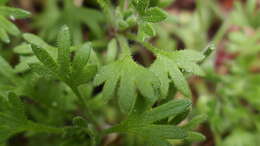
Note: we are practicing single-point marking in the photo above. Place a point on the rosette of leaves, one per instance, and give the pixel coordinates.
(7, 27)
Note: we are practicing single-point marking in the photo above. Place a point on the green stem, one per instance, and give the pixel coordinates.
(145, 44)
(84, 105)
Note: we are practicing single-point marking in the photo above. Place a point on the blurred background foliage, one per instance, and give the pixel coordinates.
(229, 93)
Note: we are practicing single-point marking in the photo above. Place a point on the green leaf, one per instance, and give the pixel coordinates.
(166, 3)
(159, 131)
(23, 49)
(141, 5)
(45, 58)
(37, 41)
(13, 119)
(151, 141)
(23, 66)
(195, 137)
(126, 71)
(148, 29)
(171, 108)
(8, 26)
(81, 58)
(42, 71)
(85, 75)
(5, 69)
(4, 36)
(167, 67)
(111, 51)
(140, 123)
(12, 116)
(64, 43)
(14, 12)
(179, 118)
(145, 30)
(154, 15)
(195, 121)
(64, 39)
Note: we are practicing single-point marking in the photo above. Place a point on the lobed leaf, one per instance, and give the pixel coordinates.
(168, 67)
(126, 71)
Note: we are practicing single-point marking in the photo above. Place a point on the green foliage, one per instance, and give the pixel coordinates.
(44, 85)
(79, 134)
(13, 119)
(73, 73)
(226, 108)
(71, 15)
(167, 67)
(129, 76)
(143, 124)
(6, 27)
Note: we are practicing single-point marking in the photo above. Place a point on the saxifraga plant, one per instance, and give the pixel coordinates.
(51, 97)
